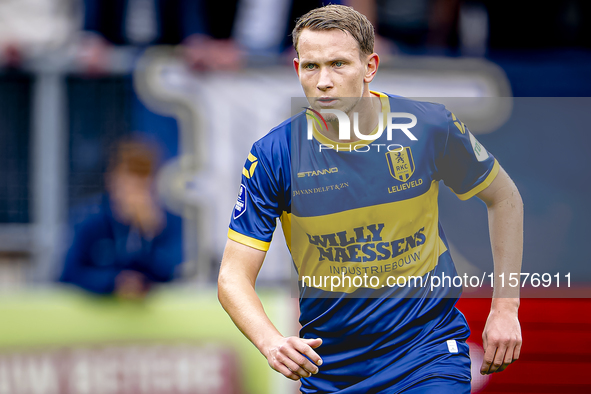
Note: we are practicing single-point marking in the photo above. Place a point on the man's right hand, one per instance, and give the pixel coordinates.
(286, 356)
(293, 357)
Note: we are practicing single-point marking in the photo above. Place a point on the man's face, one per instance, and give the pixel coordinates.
(330, 68)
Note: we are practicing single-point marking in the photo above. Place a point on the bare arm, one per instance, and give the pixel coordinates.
(236, 292)
(502, 334)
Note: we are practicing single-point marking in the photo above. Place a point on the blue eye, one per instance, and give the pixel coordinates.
(339, 64)
(309, 66)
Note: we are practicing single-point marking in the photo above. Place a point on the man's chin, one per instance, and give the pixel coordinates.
(336, 106)
(343, 104)
(330, 117)
(318, 105)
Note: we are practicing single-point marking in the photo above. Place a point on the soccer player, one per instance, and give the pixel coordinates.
(362, 203)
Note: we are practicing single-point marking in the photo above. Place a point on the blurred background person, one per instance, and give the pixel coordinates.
(203, 28)
(476, 27)
(412, 26)
(129, 241)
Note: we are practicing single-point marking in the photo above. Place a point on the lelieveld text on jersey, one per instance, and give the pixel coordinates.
(405, 186)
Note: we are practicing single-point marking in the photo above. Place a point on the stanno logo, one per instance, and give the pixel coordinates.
(345, 124)
(331, 170)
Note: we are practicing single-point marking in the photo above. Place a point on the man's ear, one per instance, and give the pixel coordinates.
(296, 65)
(371, 67)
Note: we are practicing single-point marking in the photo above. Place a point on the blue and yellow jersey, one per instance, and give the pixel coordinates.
(361, 222)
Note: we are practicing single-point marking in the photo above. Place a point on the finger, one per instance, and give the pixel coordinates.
(517, 351)
(508, 356)
(313, 343)
(487, 360)
(310, 359)
(294, 366)
(507, 360)
(306, 347)
(302, 362)
(499, 358)
(511, 356)
(282, 369)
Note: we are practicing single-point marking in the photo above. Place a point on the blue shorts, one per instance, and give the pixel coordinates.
(433, 385)
(439, 385)
(428, 369)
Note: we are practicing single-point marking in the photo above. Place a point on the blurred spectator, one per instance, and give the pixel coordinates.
(204, 28)
(209, 30)
(261, 27)
(29, 28)
(129, 242)
(409, 26)
(473, 26)
(412, 26)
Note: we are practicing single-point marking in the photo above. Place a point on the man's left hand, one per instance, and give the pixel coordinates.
(501, 338)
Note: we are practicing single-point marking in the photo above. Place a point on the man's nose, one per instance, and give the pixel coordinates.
(324, 80)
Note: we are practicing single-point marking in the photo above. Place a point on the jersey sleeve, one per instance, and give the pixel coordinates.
(258, 206)
(465, 166)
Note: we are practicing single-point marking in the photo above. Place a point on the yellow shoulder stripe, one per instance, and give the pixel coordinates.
(248, 241)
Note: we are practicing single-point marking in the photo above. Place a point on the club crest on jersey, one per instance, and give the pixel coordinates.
(401, 164)
(240, 206)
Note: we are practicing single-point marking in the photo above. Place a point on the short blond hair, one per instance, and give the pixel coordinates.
(337, 17)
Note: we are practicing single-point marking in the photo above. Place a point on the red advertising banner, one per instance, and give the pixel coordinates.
(125, 369)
